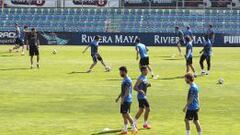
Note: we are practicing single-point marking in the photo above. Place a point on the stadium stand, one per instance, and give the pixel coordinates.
(119, 20)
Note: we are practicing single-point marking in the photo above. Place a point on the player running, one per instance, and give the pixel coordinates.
(33, 46)
(141, 87)
(126, 100)
(188, 32)
(95, 55)
(18, 40)
(211, 33)
(189, 56)
(193, 105)
(181, 41)
(142, 50)
(206, 55)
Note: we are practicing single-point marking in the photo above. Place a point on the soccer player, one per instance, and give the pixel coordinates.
(33, 46)
(181, 41)
(126, 100)
(18, 40)
(142, 50)
(192, 106)
(189, 32)
(189, 56)
(95, 55)
(141, 87)
(211, 33)
(206, 55)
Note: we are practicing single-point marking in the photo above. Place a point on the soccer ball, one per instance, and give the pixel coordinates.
(221, 81)
(108, 69)
(54, 51)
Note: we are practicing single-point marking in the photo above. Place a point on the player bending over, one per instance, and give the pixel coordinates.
(18, 40)
(189, 56)
(33, 46)
(142, 50)
(193, 105)
(206, 55)
(141, 87)
(95, 55)
(181, 41)
(126, 100)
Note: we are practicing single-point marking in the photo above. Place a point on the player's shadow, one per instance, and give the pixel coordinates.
(78, 72)
(12, 69)
(114, 131)
(6, 55)
(172, 78)
(173, 59)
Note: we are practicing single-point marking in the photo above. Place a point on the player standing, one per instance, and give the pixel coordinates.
(141, 87)
(95, 55)
(189, 56)
(211, 33)
(193, 105)
(18, 40)
(181, 41)
(33, 46)
(142, 50)
(126, 100)
(206, 55)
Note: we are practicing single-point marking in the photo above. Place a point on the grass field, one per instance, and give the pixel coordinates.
(59, 99)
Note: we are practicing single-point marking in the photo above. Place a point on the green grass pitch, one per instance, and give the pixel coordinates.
(59, 99)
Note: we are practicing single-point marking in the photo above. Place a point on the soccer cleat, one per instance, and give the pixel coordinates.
(134, 131)
(146, 126)
(203, 73)
(38, 66)
(23, 54)
(195, 75)
(123, 132)
(89, 71)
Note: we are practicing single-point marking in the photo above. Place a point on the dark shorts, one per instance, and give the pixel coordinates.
(19, 42)
(204, 57)
(33, 50)
(189, 61)
(143, 103)
(125, 107)
(96, 57)
(192, 115)
(181, 42)
(144, 61)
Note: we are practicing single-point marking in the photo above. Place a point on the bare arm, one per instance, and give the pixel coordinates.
(136, 86)
(189, 101)
(137, 54)
(85, 49)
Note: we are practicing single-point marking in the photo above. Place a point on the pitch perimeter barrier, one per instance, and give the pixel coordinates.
(121, 39)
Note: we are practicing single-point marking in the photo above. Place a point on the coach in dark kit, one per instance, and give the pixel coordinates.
(33, 46)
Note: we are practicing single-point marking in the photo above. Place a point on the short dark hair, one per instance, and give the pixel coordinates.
(123, 68)
(189, 76)
(97, 37)
(210, 25)
(33, 29)
(138, 40)
(25, 27)
(187, 38)
(206, 36)
(143, 68)
(177, 27)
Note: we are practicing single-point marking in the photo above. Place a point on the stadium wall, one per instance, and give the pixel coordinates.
(121, 39)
